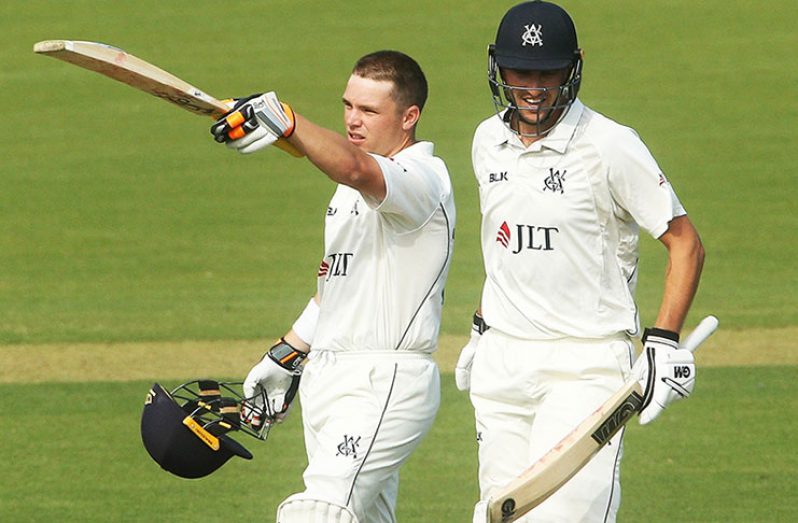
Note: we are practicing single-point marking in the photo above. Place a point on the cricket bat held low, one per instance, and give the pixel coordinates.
(567, 457)
(144, 76)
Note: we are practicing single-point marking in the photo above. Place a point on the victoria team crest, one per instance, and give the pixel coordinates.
(349, 446)
(533, 35)
(555, 182)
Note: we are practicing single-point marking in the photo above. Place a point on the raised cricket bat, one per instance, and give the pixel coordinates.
(144, 76)
(567, 457)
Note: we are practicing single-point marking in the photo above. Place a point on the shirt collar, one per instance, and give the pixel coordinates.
(418, 149)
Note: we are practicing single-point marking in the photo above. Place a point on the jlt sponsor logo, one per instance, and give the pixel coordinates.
(336, 264)
(527, 237)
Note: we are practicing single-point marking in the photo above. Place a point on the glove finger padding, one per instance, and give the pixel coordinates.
(265, 388)
(239, 127)
(241, 131)
(257, 111)
(253, 409)
(253, 141)
(229, 127)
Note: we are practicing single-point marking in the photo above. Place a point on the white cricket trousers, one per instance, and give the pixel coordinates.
(364, 413)
(527, 395)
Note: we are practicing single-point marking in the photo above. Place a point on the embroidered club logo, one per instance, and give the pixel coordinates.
(533, 35)
(349, 446)
(555, 182)
(503, 235)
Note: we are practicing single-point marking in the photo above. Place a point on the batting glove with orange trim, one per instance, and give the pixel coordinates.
(255, 122)
(272, 384)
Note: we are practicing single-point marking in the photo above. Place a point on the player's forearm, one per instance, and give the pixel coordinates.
(685, 262)
(296, 342)
(300, 337)
(341, 161)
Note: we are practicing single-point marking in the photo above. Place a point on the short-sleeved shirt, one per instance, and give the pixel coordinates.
(560, 225)
(385, 264)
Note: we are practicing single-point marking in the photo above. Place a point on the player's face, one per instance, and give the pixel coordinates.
(533, 93)
(372, 117)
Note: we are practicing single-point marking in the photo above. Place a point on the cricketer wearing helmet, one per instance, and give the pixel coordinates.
(370, 388)
(564, 192)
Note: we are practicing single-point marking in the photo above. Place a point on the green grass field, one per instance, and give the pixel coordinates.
(124, 229)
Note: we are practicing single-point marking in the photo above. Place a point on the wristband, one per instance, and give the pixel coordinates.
(660, 333)
(305, 325)
(479, 326)
(286, 356)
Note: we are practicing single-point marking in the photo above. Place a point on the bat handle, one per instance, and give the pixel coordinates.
(703, 330)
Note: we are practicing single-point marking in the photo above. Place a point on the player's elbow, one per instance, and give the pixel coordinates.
(357, 173)
(692, 251)
(683, 241)
(699, 253)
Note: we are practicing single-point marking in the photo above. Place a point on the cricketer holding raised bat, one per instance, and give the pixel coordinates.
(370, 388)
(563, 194)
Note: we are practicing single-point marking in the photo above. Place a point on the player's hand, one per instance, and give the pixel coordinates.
(254, 123)
(462, 369)
(666, 372)
(271, 385)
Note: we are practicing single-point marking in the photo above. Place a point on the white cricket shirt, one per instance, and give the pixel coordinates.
(385, 264)
(560, 225)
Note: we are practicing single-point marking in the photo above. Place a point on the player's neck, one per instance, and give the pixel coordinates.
(408, 140)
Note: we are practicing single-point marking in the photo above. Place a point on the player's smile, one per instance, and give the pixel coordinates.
(533, 93)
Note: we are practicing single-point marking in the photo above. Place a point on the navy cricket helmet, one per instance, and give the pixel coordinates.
(536, 36)
(186, 431)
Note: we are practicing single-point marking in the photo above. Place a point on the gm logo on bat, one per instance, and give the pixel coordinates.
(621, 415)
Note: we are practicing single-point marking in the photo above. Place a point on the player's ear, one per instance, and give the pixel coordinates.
(410, 117)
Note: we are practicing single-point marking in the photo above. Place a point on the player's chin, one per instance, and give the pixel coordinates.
(533, 115)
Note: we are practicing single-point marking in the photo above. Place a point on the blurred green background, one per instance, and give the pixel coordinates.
(122, 221)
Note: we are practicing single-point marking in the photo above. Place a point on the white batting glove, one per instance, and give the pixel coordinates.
(462, 370)
(255, 123)
(271, 385)
(666, 372)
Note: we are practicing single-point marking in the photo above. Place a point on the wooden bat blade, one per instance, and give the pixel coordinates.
(128, 69)
(565, 459)
(135, 72)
